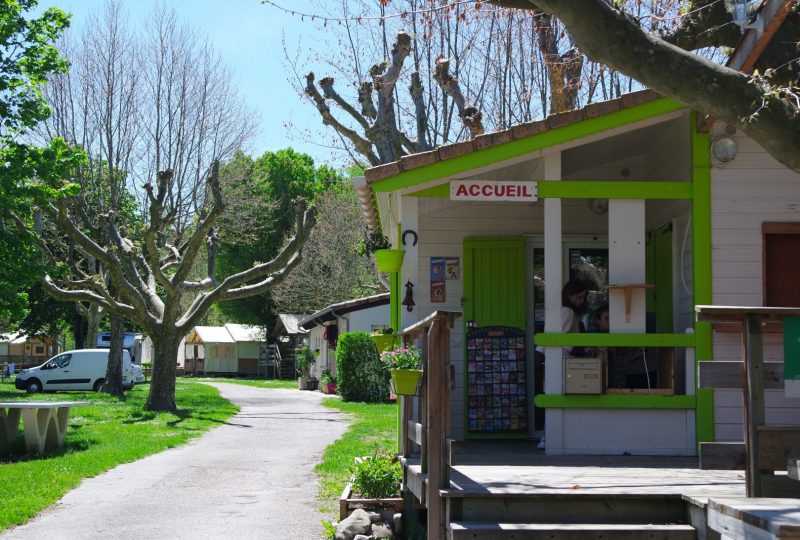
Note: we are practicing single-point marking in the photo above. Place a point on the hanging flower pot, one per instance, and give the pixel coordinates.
(384, 342)
(389, 260)
(405, 381)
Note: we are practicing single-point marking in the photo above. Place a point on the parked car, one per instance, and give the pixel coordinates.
(138, 374)
(82, 369)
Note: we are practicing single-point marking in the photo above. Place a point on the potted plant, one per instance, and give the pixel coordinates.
(328, 382)
(404, 366)
(377, 243)
(384, 339)
(303, 360)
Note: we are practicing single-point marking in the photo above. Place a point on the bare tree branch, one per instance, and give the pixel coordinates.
(471, 116)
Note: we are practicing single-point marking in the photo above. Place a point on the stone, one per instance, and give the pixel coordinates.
(358, 522)
(387, 515)
(381, 530)
(362, 537)
(397, 520)
(374, 517)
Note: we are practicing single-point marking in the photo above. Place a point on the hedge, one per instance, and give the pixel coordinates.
(361, 375)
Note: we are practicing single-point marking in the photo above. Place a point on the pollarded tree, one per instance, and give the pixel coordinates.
(151, 279)
(767, 112)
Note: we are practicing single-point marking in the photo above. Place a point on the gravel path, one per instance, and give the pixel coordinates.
(249, 478)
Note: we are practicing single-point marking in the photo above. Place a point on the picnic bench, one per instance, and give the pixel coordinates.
(44, 423)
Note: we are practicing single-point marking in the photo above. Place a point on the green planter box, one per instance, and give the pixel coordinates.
(389, 260)
(406, 381)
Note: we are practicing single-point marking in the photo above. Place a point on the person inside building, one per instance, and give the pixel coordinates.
(573, 306)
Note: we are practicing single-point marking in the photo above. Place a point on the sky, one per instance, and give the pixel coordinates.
(248, 35)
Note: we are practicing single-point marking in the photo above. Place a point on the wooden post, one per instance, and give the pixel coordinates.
(437, 395)
(753, 352)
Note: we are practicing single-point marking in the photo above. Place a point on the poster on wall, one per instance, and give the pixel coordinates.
(438, 292)
(438, 276)
(451, 267)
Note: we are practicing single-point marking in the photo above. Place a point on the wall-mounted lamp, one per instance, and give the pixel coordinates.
(408, 301)
(724, 149)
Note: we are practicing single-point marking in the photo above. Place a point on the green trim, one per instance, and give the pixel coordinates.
(590, 189)
(568, 189)
(614, 401)
(442, 191)
(701, 264)
(527, 145)
(616, 340)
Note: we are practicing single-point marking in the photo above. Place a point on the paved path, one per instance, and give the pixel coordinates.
(250, 478)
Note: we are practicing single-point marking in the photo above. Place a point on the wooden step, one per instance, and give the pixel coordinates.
(463, 530)
(575, 509)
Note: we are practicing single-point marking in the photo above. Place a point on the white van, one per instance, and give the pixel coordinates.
(83, 369)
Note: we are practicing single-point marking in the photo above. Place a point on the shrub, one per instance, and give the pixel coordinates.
(360, 373)
(303, 360)
(377, 476)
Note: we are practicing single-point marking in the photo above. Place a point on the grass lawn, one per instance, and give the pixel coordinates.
(290, 384)
(371, 424)
(99, 437)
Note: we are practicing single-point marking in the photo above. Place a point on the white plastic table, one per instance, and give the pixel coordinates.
(44, 423)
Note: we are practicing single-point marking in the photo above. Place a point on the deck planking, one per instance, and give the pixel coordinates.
(518, 469)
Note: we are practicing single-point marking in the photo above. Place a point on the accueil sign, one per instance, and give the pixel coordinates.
(493, 190)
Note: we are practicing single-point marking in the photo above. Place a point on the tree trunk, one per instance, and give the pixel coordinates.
(94, 318)
(113, 384)
(79, 330)
(165, 355)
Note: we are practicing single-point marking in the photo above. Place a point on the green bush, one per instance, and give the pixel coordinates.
(361, 376)
(377, 476)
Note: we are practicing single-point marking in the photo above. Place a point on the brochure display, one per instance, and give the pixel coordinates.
(496, 380)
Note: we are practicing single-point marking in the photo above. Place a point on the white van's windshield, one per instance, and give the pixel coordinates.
(60, 361)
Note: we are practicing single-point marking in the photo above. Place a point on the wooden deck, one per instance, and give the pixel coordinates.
(496, 483)
(509, 469)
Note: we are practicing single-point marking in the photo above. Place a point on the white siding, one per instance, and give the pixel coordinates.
(746, 192)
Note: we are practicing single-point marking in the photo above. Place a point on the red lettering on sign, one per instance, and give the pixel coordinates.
(462, 190)
(474, 190)
(525, 192)
(512, 191)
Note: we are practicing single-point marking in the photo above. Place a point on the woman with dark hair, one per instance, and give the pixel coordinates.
(573, 305)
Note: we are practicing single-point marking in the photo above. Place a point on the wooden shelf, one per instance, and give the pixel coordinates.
(628, 288)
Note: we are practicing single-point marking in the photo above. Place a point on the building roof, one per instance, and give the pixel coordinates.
(333, 311)
(520, 131)
(288, 324)
(213, 334)
(245, 332)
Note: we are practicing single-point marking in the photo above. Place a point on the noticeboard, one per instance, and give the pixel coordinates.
(497, 392)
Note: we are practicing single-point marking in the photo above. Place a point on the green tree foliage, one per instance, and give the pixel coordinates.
(360, 373)
(30, 174)
(259, 216)
(329, 272)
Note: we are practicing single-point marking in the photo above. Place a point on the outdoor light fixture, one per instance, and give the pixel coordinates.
(723, 149)
(742, 13)
(408, 301)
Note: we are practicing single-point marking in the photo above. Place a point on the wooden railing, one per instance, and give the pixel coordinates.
(766, 448)
(427, 431)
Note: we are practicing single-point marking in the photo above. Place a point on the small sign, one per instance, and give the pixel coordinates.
(493, 190)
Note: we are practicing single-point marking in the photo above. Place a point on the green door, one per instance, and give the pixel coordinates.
(496, 395)
(494, 282)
